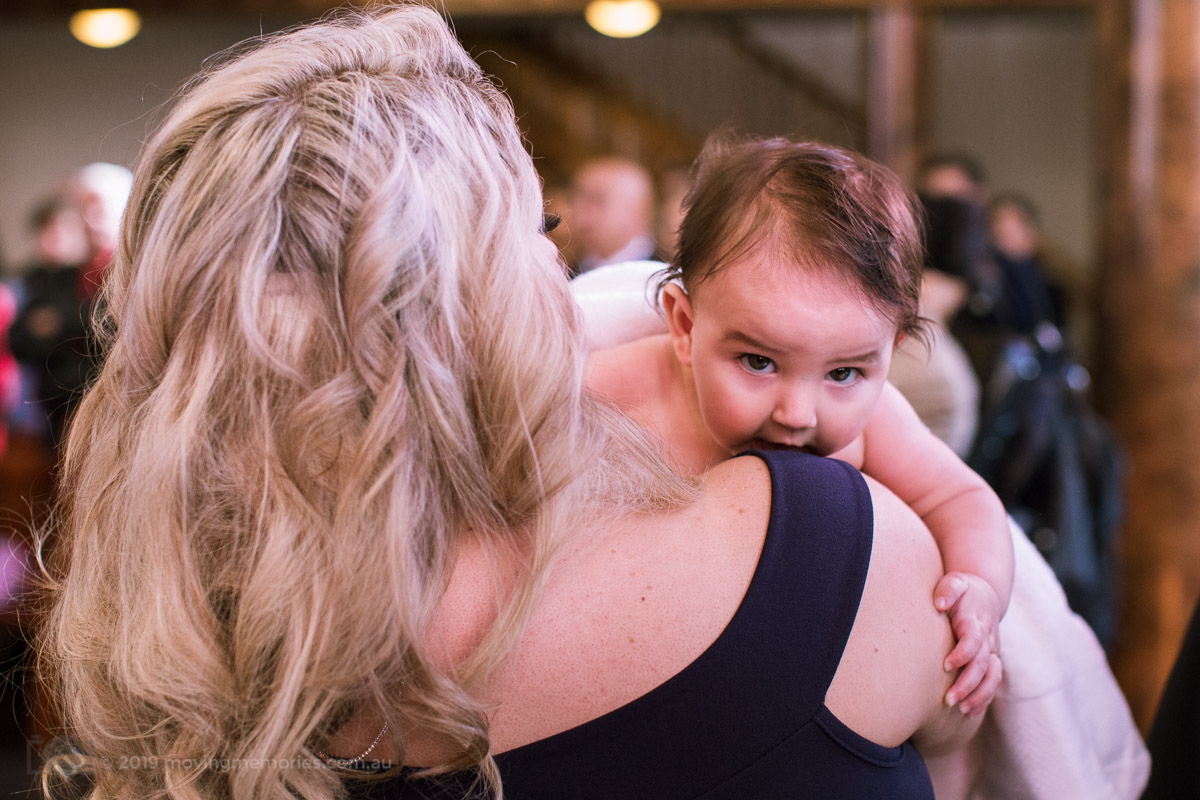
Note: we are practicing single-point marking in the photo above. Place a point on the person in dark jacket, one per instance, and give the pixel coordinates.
(50, 334)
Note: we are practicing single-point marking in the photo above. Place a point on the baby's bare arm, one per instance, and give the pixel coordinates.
(965, 516)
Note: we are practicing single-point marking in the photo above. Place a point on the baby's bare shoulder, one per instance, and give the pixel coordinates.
(629, 374)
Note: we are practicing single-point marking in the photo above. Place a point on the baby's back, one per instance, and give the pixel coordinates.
(645, 380)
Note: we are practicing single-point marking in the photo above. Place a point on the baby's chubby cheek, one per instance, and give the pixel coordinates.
(847, 446)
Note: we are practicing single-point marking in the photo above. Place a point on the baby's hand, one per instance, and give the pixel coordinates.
(975, 612)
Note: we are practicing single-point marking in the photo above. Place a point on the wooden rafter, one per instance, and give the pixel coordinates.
(309, 8)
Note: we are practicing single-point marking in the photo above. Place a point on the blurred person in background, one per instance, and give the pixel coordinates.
(953, 174)
(1015, 227)
(1029, 297)
(935, 375)
(49, 334)
(611, 214)
(76, 235)
(959, 177)
(1009, 290)
(59, 233)
(98, 192)
(673, 186)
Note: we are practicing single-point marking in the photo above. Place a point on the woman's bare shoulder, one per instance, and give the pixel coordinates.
(744, 477)
(735, 504)
(636, 600)
(890, 683)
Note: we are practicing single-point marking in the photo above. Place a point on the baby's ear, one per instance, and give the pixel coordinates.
(677, 308)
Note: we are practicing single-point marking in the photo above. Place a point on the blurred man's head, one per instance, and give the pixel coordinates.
(1013, 220)
(673, 188)
(956, 175)
(60, 237)
(99, 192)
(612, 203)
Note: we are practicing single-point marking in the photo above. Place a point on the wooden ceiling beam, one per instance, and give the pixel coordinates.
(522, 8)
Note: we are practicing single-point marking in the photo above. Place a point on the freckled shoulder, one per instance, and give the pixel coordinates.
(740, 488)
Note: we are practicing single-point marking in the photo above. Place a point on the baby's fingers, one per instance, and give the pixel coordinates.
(969, 679)
(978, 701)
(948, 591)
(970, 647)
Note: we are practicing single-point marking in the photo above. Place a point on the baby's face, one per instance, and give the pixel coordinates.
(786, 357)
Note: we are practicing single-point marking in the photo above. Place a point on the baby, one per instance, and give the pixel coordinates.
(798, 271)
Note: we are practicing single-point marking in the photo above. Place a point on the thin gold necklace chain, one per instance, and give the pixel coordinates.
(321, 755)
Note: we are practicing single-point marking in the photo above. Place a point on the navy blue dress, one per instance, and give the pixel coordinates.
(747, 718)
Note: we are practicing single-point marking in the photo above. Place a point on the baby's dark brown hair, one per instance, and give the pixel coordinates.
(818, 205)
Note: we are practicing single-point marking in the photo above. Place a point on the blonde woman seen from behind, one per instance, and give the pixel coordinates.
(338, 492)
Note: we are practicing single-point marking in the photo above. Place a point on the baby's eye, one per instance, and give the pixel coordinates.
(845, 376)
(759, 365)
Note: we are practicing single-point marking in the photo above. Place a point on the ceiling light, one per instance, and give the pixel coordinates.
(622, 19)
(105, 27)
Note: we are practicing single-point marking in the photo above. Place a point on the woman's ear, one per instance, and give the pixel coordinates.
(677, 308)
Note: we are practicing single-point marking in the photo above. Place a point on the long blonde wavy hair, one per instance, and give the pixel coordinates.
(336, 347)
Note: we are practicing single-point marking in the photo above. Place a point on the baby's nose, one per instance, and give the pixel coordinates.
(797, 410)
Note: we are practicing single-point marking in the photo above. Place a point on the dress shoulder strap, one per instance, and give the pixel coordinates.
(801, 604)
